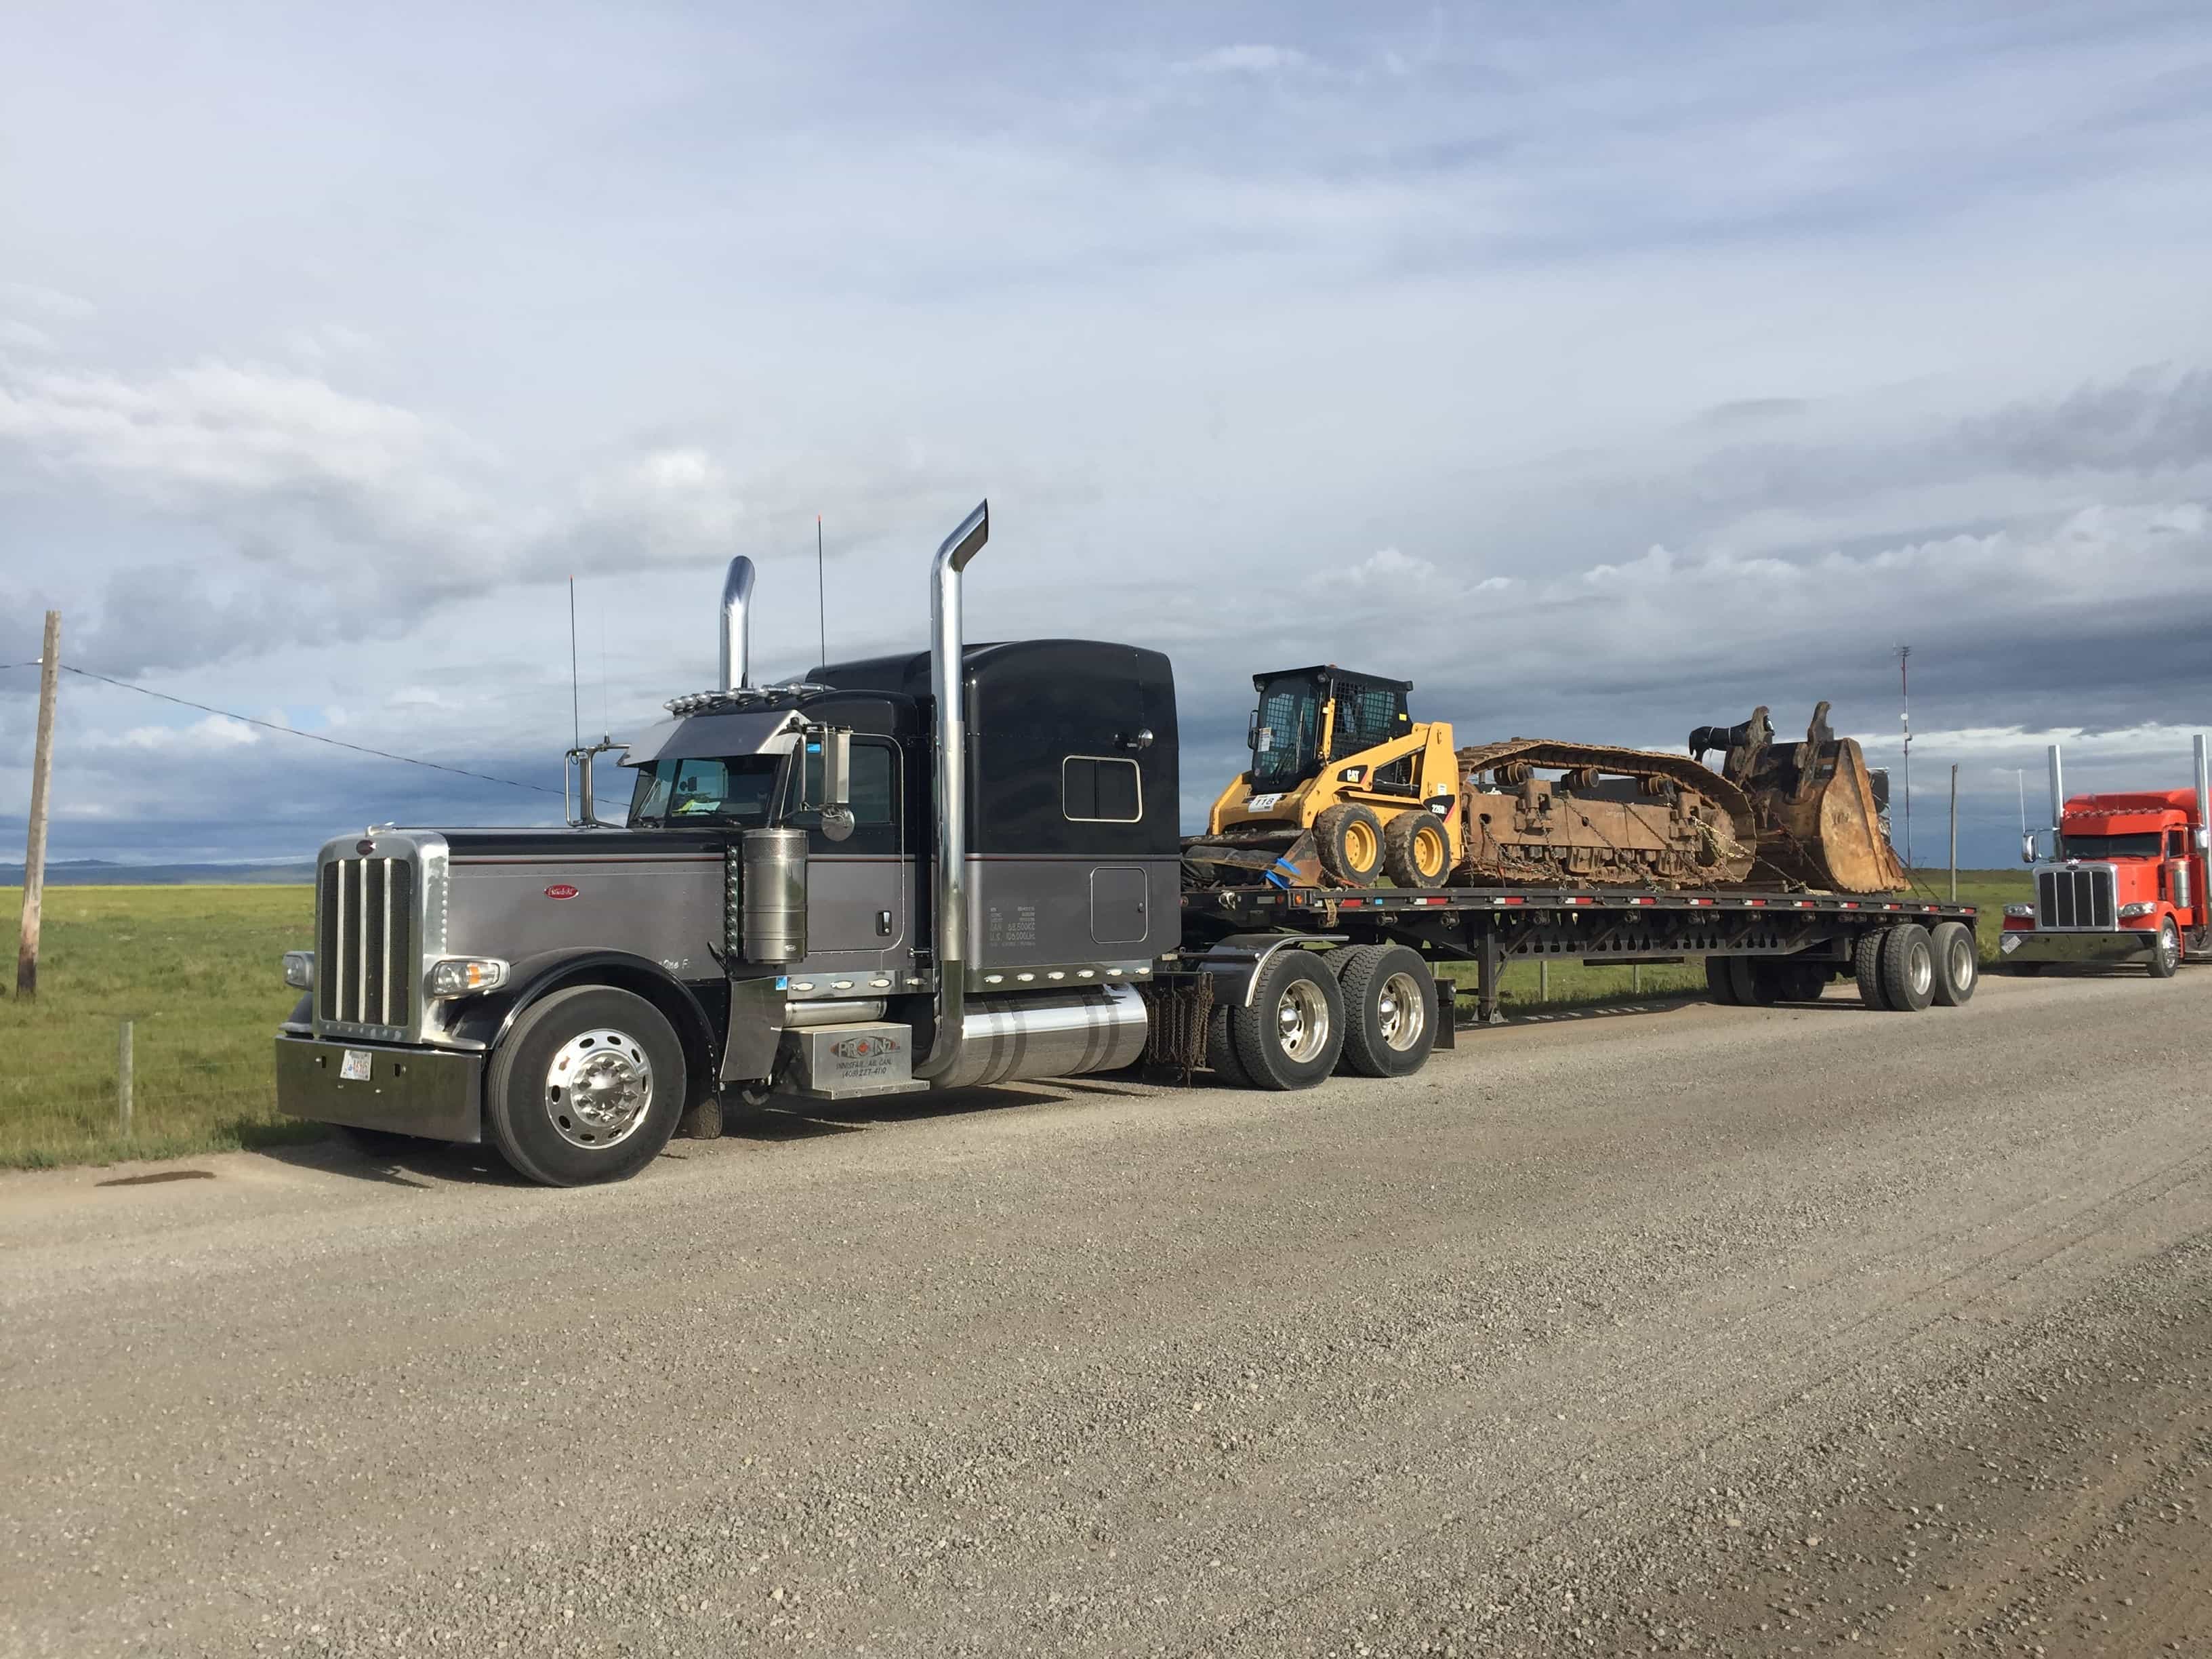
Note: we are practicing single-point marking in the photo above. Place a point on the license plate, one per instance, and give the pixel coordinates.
(354, 1067)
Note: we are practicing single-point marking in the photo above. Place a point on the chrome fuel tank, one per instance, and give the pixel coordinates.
(1056, 1034)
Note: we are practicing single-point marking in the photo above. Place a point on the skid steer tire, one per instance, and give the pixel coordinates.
(1908, 968)
(1292, 1034)
(1389, 1010)
(1866, 966)
(1416, 849)
(1348, 838)
(1958, 963)
(1720, 982)
(1221, 1051)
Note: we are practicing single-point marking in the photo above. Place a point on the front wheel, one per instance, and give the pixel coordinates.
(2165, 955)
(586, 1087)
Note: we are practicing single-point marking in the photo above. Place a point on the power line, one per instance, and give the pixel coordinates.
(291, 731)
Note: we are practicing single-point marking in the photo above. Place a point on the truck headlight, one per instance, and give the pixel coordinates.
(299, 970)
(2019, 909)
(2139, 908)
(461, 976)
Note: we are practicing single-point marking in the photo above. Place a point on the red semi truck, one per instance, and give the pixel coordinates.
(2120, 878)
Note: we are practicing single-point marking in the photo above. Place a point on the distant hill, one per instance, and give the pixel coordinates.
(101, 873)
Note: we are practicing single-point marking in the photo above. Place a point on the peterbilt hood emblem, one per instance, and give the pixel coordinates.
(864, 1048)
(562, 889)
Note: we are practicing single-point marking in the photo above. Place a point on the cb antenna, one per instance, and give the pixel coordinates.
(821, 592)
(575, 686)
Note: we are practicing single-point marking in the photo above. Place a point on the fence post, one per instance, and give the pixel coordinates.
(1635, 979)
(123, 1084)
(1543, 979)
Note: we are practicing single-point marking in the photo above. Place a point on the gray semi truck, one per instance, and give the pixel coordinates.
(953, 867)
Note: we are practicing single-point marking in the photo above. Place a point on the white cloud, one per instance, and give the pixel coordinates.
(213, 735)
(1246, 59)
(23, 336)
(1387, 568)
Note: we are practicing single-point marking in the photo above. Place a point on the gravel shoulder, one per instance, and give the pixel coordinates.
(1571, 1343)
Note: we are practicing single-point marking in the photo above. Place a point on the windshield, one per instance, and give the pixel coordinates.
(2144, 846)
(1285, 730)
(738, 791)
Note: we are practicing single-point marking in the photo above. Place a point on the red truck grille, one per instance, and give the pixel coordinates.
(2078, 897)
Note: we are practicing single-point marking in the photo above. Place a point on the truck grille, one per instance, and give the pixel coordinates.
(2075, 898)
(365, 941)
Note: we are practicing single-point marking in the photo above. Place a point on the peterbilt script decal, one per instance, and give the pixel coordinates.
(562, 889)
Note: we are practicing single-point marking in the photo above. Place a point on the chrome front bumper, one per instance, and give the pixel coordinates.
(413, 1091)
(2121, 944)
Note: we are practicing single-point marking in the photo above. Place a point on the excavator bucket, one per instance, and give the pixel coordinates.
(1819, 822)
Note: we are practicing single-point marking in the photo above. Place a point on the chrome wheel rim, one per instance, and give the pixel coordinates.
(2169, 944)
(1401, 1012)
(1924, 973)
(597, 1087)
(1302, 1021)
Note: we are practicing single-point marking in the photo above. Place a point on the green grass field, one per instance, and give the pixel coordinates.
(195, 970)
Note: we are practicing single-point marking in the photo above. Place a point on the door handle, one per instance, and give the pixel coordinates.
(883, 924)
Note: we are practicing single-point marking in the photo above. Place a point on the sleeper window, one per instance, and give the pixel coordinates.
(1098, 789)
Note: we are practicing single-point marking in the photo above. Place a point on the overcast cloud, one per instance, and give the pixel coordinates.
(1605, 370)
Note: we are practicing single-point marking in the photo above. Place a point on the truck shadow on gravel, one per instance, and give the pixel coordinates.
(790, 1118)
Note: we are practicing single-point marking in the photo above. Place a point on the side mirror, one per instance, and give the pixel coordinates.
(2027, 848)
(826, 779)
(2203, 839)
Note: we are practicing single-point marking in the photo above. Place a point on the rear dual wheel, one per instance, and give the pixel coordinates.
(1390, 1009)
(1291, 1034)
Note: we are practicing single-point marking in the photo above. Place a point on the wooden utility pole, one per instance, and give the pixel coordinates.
(42, 777)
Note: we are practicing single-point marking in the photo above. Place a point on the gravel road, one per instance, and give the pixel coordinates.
(1702, 1330)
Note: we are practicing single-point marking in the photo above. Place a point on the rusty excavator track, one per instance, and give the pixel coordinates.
(1613, 816)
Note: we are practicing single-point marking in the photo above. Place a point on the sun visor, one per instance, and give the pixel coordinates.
(692, 737)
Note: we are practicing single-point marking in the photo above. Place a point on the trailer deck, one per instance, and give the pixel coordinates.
(1600, 927)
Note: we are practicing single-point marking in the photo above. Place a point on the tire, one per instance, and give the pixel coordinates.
(2165, 955)
(1389, 1010)
(1349, 839)
(1292, 1034)
(1416, 849)
(1720, 980)
(1221, 1051)
(1866, 966)
(1751, 987)
(1908, 968)
(530, 1110)
(1787, 981)
(1958, 963)
(381, 1146)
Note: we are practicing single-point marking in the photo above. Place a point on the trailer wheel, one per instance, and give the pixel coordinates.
(2165, 955)
(1720, 980)
(1416, 849)
(1389, 1010)
(586, 1087)
(1958, 963)
(1866, 966)
(1221, 1051)
(1349, 839)
(1292, 1034)
(1789, 981)
(1908, 968)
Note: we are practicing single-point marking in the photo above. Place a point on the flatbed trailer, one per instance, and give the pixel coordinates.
(1599, 926)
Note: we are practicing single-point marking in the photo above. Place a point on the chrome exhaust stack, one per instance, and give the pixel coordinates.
(2057, 797)
(2203, 836)
(949, 681)
(737, 625)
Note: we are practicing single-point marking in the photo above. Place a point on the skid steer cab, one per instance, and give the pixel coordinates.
(1344, 784)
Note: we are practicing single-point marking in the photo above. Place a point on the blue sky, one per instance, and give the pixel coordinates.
(1606, 370)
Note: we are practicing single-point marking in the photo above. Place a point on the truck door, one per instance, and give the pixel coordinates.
(859, 891)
